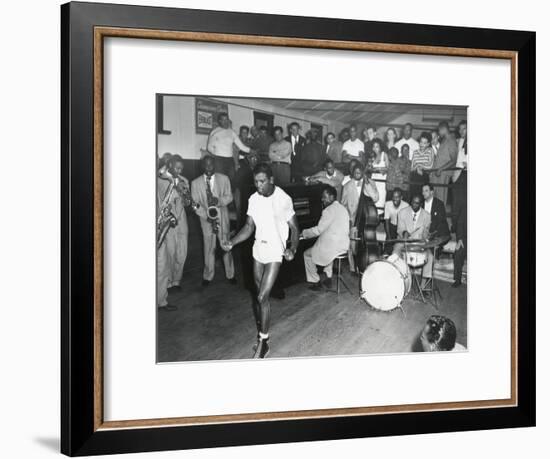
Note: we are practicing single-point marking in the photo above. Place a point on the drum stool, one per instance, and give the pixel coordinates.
(339, 278)
(431, 287)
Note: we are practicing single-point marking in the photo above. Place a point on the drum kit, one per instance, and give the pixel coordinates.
(386, 282)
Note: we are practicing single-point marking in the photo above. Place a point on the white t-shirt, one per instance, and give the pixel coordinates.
(413, 146)
(353, 147)
(271, 215)
(390, 211)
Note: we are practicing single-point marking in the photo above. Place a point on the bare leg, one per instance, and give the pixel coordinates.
(271, 270)
(258, 274)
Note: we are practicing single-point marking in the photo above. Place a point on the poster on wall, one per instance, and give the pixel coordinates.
(205, 114)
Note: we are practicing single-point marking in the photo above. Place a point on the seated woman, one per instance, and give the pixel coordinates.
(439, 334)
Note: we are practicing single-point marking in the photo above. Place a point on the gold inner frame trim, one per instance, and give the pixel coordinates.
(102, 32)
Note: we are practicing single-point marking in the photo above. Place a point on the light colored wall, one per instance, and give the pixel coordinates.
(179, 118)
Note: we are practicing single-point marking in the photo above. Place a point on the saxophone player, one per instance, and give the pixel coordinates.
(172, 250)
(212, 192)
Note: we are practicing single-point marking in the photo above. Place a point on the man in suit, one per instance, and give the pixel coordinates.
(413, 222)
(350, 200)
(332, 232)
(298, 142)
(217, 187)
(439, 228)
(333, 148)
(173, 251)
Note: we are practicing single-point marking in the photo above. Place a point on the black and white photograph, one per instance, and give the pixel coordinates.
(307, 228)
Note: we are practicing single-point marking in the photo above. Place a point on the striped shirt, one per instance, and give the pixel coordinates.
(423, 159)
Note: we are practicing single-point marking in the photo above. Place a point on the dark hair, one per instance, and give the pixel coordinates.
(294, 123)
(408, 124)
(264, 168)
(379, 142)
(330, 190)
(397, 190)
(388, 130)
(429, 185)
(442, 333)
(277, 128)
(416, 195)
(353, 125)
(371, 126)
(463, 122)
(206, 158)
(244, 126)
(327, 162)
(357, 166)
(426, 135)
(443, 124)
(329, 133)
(393, 149)
(174, 159)
(219, 116)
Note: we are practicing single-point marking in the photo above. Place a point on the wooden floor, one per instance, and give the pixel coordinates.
(216, 322)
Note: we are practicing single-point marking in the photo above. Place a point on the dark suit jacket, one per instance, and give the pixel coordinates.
(439, 219)
(296, 157)
(334, 151)
(312, 158)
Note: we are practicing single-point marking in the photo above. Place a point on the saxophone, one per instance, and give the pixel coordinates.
(213, 211)
(166, 219)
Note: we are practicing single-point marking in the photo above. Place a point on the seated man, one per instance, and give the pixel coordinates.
(332, 232)
(439, 334)
(439, 228)
(413, 222)
(391, 209)
(329, 176)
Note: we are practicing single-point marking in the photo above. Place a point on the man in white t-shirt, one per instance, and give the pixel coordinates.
(271, 216)
(408, 139)
(391, 210)
(353, 148)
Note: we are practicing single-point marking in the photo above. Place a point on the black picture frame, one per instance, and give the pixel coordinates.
(79, 433)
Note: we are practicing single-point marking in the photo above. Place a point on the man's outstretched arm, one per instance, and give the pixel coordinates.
(246, 231)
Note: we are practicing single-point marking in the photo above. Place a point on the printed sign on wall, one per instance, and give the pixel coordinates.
(206, 111)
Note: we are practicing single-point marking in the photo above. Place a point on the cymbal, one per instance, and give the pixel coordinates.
(431, 244)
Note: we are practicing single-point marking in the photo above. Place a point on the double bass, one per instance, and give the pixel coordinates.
(366, 222)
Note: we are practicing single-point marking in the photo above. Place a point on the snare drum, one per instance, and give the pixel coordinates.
(416, 256)
(385, 283)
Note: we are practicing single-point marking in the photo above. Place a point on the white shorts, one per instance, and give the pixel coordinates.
(267, 252)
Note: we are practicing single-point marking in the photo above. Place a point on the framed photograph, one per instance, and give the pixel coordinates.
(280, 229)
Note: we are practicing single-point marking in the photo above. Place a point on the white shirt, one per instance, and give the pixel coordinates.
(220, 142)
(294, 141)
(353, 147)
(413, 146)
(415, 218)
(428, 205)
(211, 181)
(271, 215)
(390, 211)
(347, 178)
(359, 186)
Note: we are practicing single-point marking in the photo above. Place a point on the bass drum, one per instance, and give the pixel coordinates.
(385, 283)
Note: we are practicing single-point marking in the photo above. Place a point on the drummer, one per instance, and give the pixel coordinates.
(391, 209)
(413, 223)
